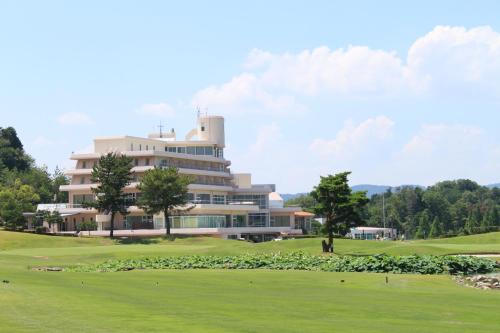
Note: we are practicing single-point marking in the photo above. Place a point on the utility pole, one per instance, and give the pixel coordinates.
(383, 211)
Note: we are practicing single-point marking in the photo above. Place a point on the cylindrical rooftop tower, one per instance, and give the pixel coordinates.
(211, 128)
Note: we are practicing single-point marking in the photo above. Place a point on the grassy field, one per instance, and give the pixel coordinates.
(233, 301)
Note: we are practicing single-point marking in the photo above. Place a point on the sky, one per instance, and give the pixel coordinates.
(397, 93)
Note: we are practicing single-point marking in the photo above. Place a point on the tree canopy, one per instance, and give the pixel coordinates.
(444, 209)
(338, 204)
(163, 190)
(112, 173)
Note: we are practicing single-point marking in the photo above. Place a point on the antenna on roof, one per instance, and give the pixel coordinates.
(161, 127)
(198, 111)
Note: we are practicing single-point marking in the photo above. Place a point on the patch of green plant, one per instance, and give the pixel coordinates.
(415, 264)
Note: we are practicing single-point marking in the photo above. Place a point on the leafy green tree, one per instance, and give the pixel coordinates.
(12, 154)
(112, 174)
(336, 202)
(163, 190)
(436, 228)
(58, 178)
(474, 220)
(14, 201)
(423, 225)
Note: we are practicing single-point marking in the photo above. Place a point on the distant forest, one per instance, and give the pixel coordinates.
(448, 208)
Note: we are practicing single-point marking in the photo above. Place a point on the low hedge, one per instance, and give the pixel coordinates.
(456, 265)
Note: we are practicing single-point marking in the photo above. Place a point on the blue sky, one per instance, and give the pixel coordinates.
(397, 93)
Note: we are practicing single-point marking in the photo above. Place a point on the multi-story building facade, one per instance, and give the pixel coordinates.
(222, 203)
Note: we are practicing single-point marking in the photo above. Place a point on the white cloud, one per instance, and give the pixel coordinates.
(455, 56)
(443, 139)
(245, 94)
(444, 61)
(353, 138)
(75, 118)
(448, 151)
(42, 141)
(156, 110)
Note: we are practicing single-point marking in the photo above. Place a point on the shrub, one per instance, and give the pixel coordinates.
(301, 261)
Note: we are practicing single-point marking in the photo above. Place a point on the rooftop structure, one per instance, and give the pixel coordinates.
(225, 203)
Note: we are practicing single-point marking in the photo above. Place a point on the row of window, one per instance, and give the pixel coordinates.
(200, 150)
(195, 198)
(279, 221)
(261, 200)
(191, 165)
(214, 221)
(140, 147)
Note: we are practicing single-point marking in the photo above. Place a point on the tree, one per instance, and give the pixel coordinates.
(163, 189)
(473, 221)
(113, 174)
(14, 201)
(59, 178)
(423, 225)
(54, 218)
(436, 229)
(12, 154)
(336, 202)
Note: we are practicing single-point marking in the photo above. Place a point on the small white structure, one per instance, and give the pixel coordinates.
(275, 200)
(373, 233)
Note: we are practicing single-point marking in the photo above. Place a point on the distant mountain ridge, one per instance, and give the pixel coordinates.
(370, 190)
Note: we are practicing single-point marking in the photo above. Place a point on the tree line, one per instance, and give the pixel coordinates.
(448, 208)
(23, 184)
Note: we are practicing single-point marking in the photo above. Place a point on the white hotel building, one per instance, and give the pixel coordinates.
(224, 203)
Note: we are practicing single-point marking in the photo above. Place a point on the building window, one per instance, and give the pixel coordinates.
(202, 198)
(239, 221)
(84, 165)
(199, 221)
(78, 199)
(82, 180)
(147, 161)
(172, 149)
(181, 150)
(257, 219)
(219, 199)
(131, 147)
(136, 162)
(147, 147)
(191, 150)
(280, 221)
(249, 199)
(140, 146)
(154, 148)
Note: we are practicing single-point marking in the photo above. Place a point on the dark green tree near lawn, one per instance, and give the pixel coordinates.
(163, 190)
(112, 173)
(436, 228)
(338, 204)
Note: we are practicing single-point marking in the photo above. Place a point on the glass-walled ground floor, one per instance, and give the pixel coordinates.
(251, 220)
(86, 221)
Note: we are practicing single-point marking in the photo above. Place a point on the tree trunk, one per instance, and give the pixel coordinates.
(330, 240)
(330, 237)
(112, 225)
(167, 221)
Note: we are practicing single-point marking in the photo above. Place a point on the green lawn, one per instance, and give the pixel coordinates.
(233, 301)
